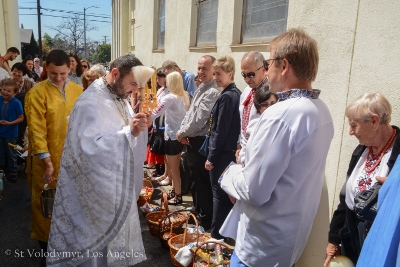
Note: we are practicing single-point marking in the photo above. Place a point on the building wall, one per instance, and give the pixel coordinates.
(357, 44)
(9, 26)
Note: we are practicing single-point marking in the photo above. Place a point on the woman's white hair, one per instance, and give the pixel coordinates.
(364, 106)
(99, 68)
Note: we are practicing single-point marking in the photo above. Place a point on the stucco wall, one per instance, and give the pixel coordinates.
(358, 54)
(9, 26)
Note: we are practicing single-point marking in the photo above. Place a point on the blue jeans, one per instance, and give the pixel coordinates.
(236, 262)
(8, 155)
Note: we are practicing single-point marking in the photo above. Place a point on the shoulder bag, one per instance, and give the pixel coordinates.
(204, 149)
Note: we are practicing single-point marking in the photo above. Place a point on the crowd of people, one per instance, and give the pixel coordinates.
(256, 156)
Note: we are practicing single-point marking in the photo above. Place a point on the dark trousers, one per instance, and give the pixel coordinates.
(201, 190)
(43, 247)
(8, 156)
(222, 205)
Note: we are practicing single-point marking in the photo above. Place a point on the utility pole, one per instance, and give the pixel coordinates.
(84, 28)
(105, 39)
(84, 31)
(39, 30)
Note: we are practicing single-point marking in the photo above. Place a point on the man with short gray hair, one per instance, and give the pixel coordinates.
(192, 132)
(254, 75)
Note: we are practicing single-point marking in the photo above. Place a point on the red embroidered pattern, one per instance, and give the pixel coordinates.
(248, 104)
(2, 59)
(364, 181)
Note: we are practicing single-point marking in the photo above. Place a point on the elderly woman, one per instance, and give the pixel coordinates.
(99, 68)
(369, 118)
(37, 68)
(89, 77)
(225, 130)
(18, 71)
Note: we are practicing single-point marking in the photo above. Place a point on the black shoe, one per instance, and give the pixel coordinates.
(160, 169)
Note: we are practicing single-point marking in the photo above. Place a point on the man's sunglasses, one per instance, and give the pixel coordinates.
(250, 74)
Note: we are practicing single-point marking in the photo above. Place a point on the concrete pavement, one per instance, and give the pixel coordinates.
(17, 249)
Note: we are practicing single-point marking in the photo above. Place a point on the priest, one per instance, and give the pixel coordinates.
(95, 218)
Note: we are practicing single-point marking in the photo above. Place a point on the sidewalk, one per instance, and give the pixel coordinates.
(16, 220)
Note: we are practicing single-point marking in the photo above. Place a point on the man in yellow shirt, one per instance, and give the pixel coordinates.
(47, 107)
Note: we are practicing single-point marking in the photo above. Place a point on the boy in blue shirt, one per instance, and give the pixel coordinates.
(10, 115)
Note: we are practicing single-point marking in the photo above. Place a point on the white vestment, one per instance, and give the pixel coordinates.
(279, 189)
(100, 179)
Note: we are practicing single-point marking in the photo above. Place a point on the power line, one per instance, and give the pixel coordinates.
(70, 12)
(70, 17)
(55, 16)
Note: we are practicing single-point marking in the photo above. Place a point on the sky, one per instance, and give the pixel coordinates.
(99, 17)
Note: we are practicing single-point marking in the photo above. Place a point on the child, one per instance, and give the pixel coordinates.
(263, 99)
(10, 115)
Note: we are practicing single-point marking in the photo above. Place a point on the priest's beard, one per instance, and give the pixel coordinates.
(119, 90)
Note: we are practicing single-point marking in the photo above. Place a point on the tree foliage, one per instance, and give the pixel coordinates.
(30, 50)
(98, 53)
(103, 54)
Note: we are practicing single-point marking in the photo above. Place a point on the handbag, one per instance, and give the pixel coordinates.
(204, 149)
(158, 145)
(365, 203)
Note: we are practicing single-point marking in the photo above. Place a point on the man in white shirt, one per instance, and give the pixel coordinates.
(278, 191)
(4, 74)
(255, 75)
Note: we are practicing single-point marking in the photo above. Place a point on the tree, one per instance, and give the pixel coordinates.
(47, 43)
(71, 30)
(104, 54)
(32, 49)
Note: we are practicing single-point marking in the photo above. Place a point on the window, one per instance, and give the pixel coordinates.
(263, 19)
(161, 24)
(207, 22)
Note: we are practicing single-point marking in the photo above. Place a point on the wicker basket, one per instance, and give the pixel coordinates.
(154, 206)
(184, 239)
(154, 218)
(208, 262)
(148, 188)
(168, 229)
